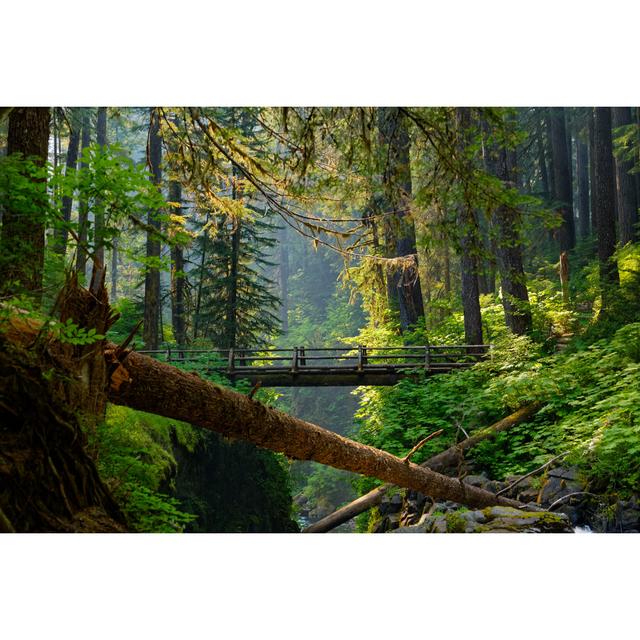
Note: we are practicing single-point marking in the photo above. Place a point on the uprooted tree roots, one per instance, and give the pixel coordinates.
(48, 482)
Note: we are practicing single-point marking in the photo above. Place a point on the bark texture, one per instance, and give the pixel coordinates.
(447, 460)
(61, 233)
(151, 331)
(83, 205)
(582, 169)
(592, 169)
(469, 243)
(507, 222)
(627, 203)
(403, 283)
(178, 293)
(48, 479)
(562, 178)
(23, 229)
(283, 277)
(605, 206)
(98, 237)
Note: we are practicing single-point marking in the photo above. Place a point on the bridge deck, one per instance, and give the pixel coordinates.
(340, 367)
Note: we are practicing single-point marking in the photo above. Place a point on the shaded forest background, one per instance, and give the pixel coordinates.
(260, 227)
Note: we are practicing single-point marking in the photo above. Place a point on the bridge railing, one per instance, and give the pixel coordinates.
(358, 358)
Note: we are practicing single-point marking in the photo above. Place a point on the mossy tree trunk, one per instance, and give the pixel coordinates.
(23, 229)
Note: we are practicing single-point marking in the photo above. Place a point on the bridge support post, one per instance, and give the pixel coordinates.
(362, 357)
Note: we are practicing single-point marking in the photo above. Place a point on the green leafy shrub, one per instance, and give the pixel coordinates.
(134, 459)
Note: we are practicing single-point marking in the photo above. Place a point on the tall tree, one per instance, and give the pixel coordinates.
(23, 225)
(283, 276)
(582, 169)
(98, 229)
(591, 123)
(152, 309)
(235, 303)
(61, 232)
(231, 315)
(83, 204)
(542, 162)
(403, 283)
(468, 245)
(178, 293)
(562, 178)
(507, 222)
(605, 206)
(627, 203)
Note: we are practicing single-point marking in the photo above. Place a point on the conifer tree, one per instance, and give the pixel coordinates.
(152, 306)
(237, 306)
(605, 206)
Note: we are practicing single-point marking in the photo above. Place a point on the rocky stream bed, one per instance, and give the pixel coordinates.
(558, 502)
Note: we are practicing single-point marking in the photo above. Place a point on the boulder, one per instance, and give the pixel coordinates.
(492, 520)
(570, 473)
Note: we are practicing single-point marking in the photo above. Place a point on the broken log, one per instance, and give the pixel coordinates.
(440, 463)
(148, 385)
(145, 384)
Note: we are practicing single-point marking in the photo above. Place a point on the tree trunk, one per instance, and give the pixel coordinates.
(51, 484)
(83, 205)
(469, 245)
(507, 222)
(562, 179)
(114, 270)
(592, 169)
(542, 163)
(637, 158)
(231, 320)
(178, 315)
(203, 257)
(62, 233)
(605, 206)
(403, 283)
(470, 290)
(625, 184)
(152, 310)
(23, 230)
(549, 153)
(98, 229)
(283, 273)
(148, 385)
(448, 459)
(582, 169)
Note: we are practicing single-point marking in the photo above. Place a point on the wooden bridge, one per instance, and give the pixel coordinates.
(340, 367)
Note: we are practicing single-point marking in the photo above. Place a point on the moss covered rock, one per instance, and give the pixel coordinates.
(492, 520)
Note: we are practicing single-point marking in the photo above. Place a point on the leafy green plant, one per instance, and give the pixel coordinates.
(134, 459)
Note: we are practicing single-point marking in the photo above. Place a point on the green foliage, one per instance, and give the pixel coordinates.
(591, 408)
(112, 185)
(236, 303)
(135, 460)
(326, 484)
(70, 333)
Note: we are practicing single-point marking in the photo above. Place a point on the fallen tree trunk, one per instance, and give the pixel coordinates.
(142, 383)
(440, 463)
